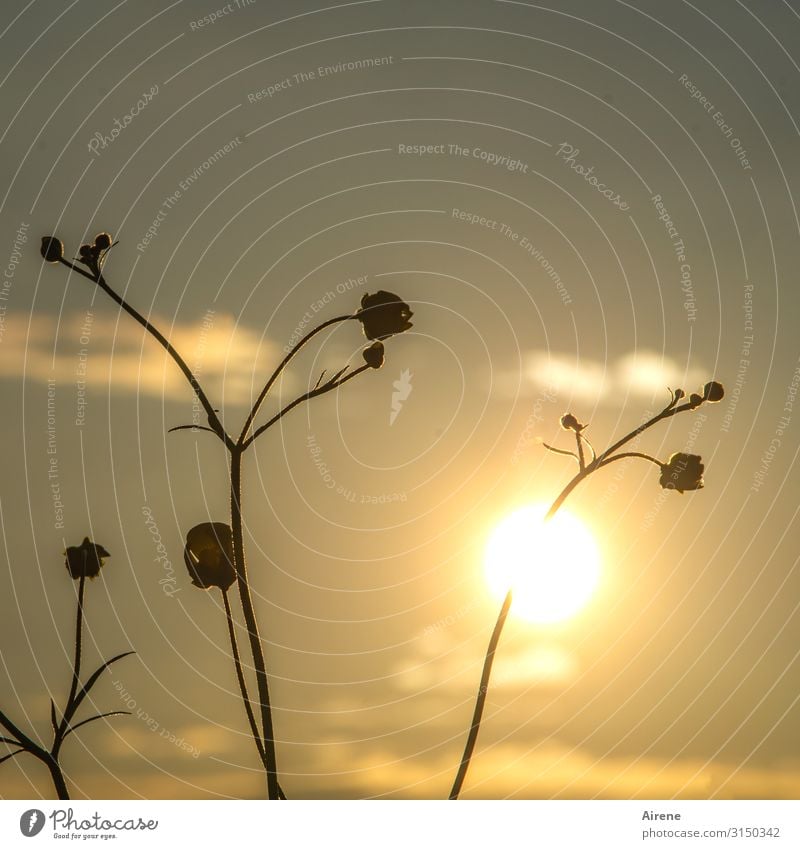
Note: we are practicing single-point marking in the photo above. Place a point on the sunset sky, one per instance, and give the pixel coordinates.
(272, 167)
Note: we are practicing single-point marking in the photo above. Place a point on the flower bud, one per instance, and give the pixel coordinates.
(679, 393)
(713, 391)
(102, 241)
(52, 249)
(208, 555)
(695, 400)
(569, 422)
(373, 356)
(85, 560)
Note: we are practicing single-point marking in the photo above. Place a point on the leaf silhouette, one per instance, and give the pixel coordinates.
(93, 718)
(90, 683)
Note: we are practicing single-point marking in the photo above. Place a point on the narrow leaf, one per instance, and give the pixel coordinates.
(8, 757)
(91, 682)
(53, 720)
(93, 718)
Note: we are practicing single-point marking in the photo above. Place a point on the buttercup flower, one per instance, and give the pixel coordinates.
(52, 249)
(373, 356)
(682, 472)
(85, 560)
(713, 391)
(209, 555)
(383, 314)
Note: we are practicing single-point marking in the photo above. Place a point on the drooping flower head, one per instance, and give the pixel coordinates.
(713, 391)
(209, 555)
(682, 472)
(383, 314)
(85, 560)
(569, 422)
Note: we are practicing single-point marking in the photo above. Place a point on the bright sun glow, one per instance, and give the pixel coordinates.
(553, 567)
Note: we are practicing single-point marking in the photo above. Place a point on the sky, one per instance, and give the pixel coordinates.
(584, 203)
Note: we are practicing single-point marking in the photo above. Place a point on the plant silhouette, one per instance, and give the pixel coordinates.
(82, 561)
(682, 473)
(211, 553)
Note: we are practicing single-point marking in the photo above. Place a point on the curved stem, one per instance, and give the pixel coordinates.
(631, 454)
(237, 535)
(483, 689)
(281, 366)
(312, 393)
(76, 669)
(240, 677)
(581, 457)
(213, 419)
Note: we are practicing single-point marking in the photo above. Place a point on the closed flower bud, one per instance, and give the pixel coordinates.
(682, 472)
(569, 422)
(85, 560)
(373, 356)
(695, 400)
(713, 391)
(208, 555)
(679, 393)
(383, 314)
(102, 241)
(52, 249)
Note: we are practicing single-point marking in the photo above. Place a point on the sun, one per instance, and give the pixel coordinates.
(553, 567)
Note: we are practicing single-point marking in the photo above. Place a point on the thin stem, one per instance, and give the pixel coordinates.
(76, 668)
(22, 739)
(562, 451)
(581, 457)
(56, 773)
(240, 677)
(213, 419)
(237, 534)
(483, 689)
(312, 393)
(281, 366)
(631, 454)
(600, 460)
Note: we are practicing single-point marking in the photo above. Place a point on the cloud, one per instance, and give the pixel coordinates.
(229, 359)
(644, 374)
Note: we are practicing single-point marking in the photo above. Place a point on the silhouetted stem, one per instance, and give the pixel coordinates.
(312, 393)
(281, 366)
(483, 689)
(213, 419)
(240, 677)
(59, 782)
(76, 668)
(237, 536)
(599, 460)
(632, 454)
